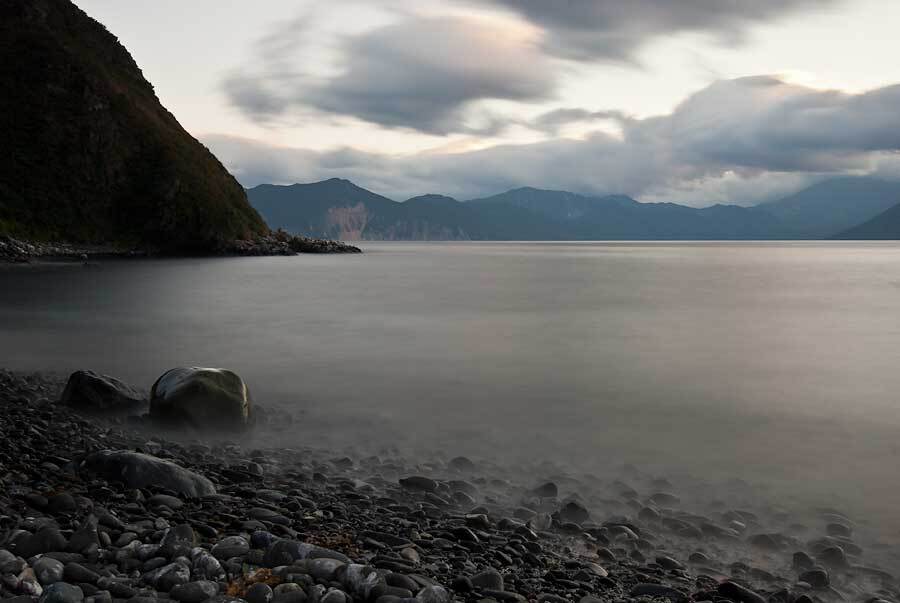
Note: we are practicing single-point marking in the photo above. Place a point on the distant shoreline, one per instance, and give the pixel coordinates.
(19, 251)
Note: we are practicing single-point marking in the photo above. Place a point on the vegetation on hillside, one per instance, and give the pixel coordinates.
(88, 153)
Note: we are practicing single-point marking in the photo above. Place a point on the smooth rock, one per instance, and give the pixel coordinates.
(490, 579)
(201, 398)
(259, 593)
(334, 596)
(433, 594)
(817, 578)
(194, 592)
(138, 470)
(48, 570)
(85, 537)
(668, 563)
(90, 391)
(60, 592)
(833, 557)
(323, 569)
(418, 482)
(168, 576)
(177, 542)
(230, 546)
(75, 572)
(45, 540)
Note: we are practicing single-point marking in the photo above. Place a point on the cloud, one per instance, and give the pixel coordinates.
(421, 73)
(588, 30)
(763, 122)
(431, 70)
(747, 138)
(553, 121)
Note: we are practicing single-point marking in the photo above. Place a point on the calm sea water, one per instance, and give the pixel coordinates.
(768, 361)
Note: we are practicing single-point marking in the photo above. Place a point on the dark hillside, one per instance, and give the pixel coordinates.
(87, 152)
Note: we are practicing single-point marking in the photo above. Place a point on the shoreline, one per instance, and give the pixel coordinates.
(18, 251)
(316, 525)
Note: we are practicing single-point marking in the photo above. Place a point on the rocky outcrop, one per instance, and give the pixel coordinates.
(14, 250)
(200, 398)
(18, 251)
(282, 243)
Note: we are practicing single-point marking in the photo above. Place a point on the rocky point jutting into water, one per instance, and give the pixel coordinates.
(275, 243)
(101, 503)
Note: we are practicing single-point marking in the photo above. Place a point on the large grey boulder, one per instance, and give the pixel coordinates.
(201, 398)
(90, 391)
(137, 470)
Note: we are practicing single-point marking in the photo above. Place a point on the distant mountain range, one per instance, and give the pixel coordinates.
(884, 226)
(337, 208)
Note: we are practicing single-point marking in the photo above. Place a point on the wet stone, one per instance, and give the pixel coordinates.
(259, 593)
(194, 592)
(48, 570)
(61, 592)
(488, 579)
(817, 578)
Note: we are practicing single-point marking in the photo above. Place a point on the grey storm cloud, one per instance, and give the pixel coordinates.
(420, 73)
(749, 126)
(428, 73)
(765, 123)
(616, 29)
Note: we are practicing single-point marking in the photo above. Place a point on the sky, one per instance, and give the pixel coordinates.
(691, 101)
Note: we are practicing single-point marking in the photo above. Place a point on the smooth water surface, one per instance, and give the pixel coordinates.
(764, 361)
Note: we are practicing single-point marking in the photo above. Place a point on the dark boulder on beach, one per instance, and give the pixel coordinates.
(138, 470)
(93, 392)
(201, 398)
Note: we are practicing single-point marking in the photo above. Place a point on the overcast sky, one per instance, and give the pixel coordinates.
(694, 101)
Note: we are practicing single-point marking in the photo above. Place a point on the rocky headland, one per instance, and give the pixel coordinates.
(187, 494)
(91, 157)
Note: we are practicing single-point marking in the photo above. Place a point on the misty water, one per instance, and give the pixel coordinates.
(768, 362)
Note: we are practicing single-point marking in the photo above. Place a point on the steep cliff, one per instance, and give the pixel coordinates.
(88, 153)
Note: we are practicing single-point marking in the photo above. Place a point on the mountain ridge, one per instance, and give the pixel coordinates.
(821, 209)
(530, 213)
(883, 227)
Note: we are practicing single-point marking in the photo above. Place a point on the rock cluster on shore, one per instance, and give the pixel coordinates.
(276, 243)
(109, 507)
(18, 251)
(281, 243)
